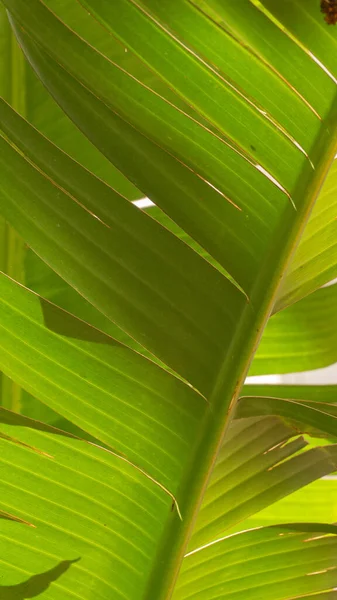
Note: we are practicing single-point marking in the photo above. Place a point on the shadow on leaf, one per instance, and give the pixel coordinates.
(8, 417)
(61, 427)
(65, 324)
(35, 585)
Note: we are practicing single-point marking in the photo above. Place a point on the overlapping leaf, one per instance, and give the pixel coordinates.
(258, 464)
(315, 260)
(235, 152)
(311, 417)
(327, 394)
(20, 87)
(78, 499)
(133, 270)
(302, 337)
(102, 386)
(316, 502)
(190, 142)
(281, 563)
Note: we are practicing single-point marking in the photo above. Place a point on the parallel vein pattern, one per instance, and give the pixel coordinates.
(113, 254)
(185, 141)
(280, 562)
(259, 463)
(79, 499)
(219, 113)
(108, 390)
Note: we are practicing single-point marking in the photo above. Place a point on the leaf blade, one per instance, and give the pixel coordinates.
(82, 363)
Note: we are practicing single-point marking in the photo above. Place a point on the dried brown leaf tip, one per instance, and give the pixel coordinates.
(329, 9)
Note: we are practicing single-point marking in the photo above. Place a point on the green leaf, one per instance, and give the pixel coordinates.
(137, 27)
(43, 112)
(40, 278)
(281, 563)
(212, 45)
(20, 87)
(314, 263)
(102, 386)
(315, 502)
(298, 71)
(315, 417)
(91, 514)
(315, 260)
(237, 171)
(312, 393)
(301, 338)
(176, 147)
(13, 68)
(258, 464)
(300, 20)
(93, 254)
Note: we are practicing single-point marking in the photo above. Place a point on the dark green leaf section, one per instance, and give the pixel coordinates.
(13, 69)
(40, 278)
(149, 30)
(259, 463)
(238, 175)
(302, 20)
(103, 387)
(174, 147)
(133, 270)
(91, 515)
(44, 113)
(270, 93)
(296, 68)
(302, 337)
(161, 217)
(23, 90)
(319, 418)
(246, 75)
(280, 563)
(311, 393)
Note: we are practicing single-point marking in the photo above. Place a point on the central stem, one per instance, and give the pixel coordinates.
(236, 364)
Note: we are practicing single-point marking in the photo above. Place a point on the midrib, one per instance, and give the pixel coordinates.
(237, 362)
